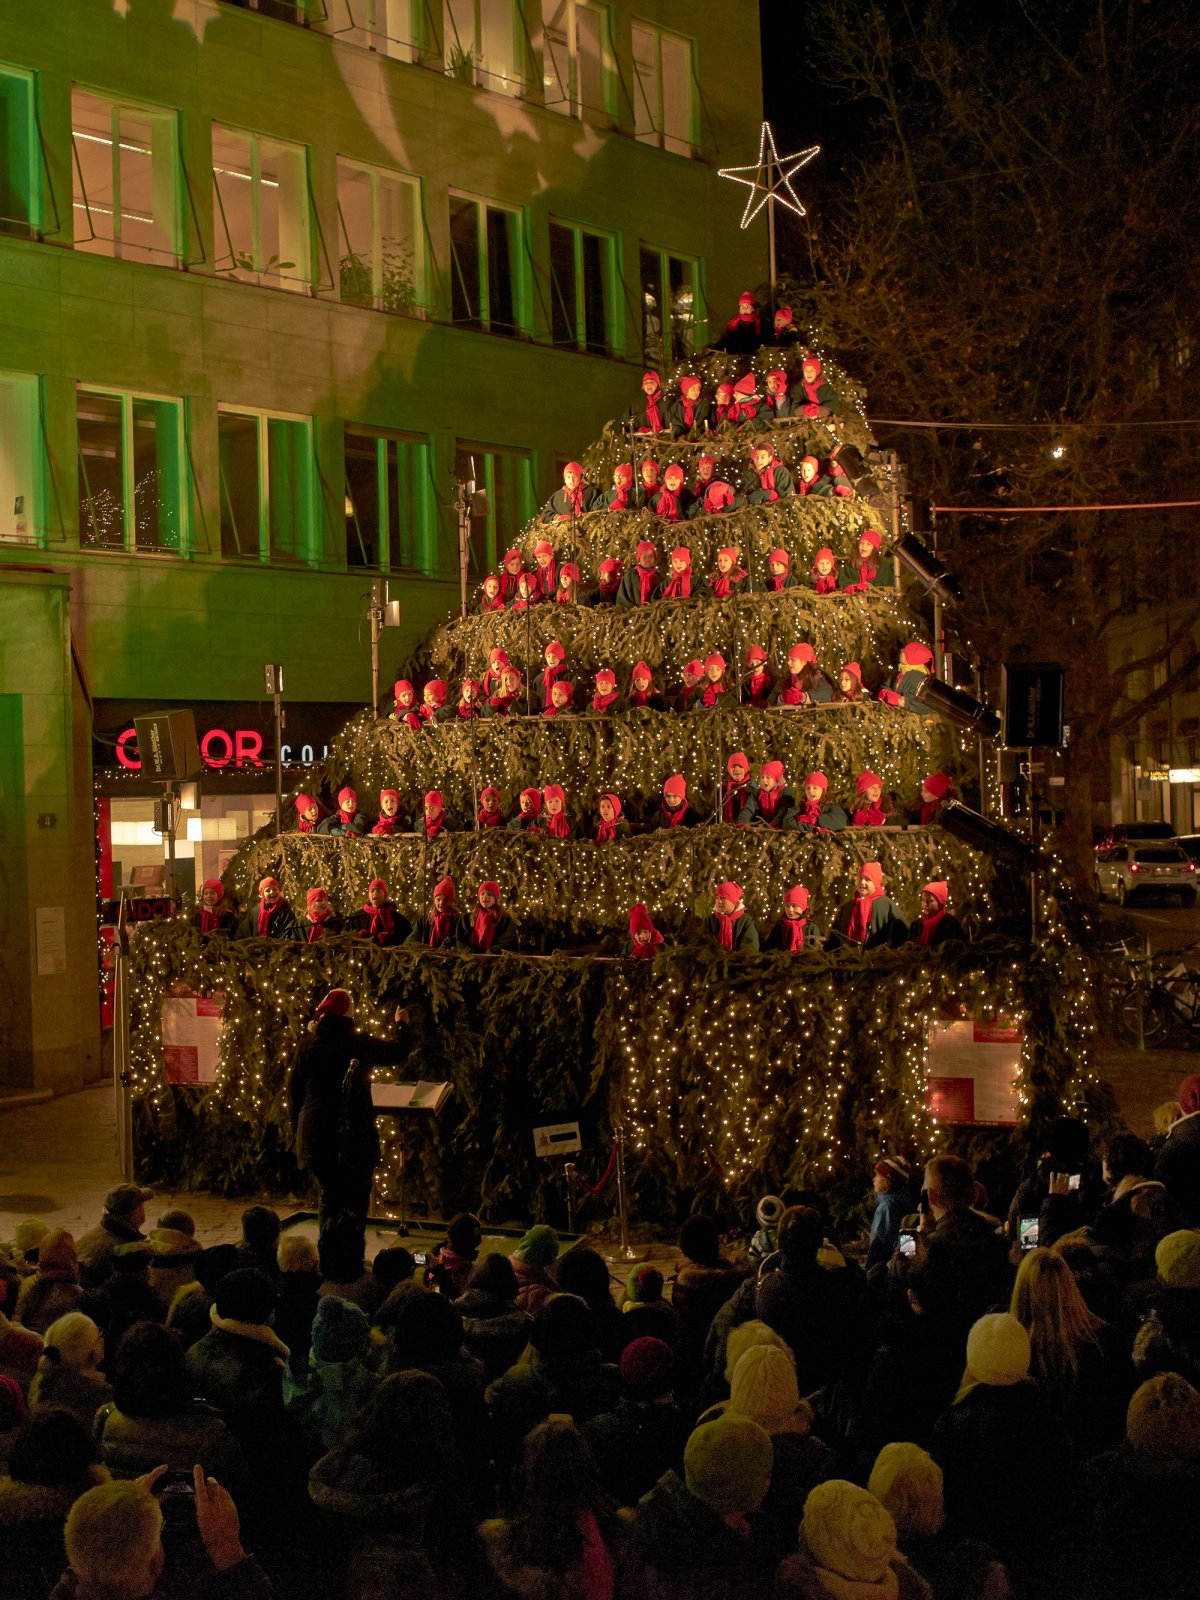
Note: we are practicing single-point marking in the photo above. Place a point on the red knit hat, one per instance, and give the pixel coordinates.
(816, 780)
(647, 1366)
(939, 889)
(938, 785)
(779, 556)
(512, 555)
(715, 660)
(802, 652)
(641, 670)
(730, 891)
(498, 658)
(215, 884)
(377, 883)
(543, 548)
(645, 548)
(606, 676)
(855, 671)
(302, 802)
(823, 554)
(337, 1003)
(869, 536)
(402, 686)
(916, 654)
(554, 791)
(489, 886)
(390, 794)
(682, 553)
(730, 550)
(746, 385)
(640, 921)
(702, 460)
(772, 769)
(347, 800)
(437, 688)
(623, 473)
(614, 801)
(738, 756)
(492, 794)
(267, 883)
(676, 784)
(756, 653)
(781, 379)
(674, 471)
(689, 380)
(797, 895)
(654, 377)
(555, 652)
(872, 870)
(312, 896)
(534, 796)
(693, 669)
(445, 888)
(783, 317)
(867, 780)
(611, 567)
(573, 466)
(433, 800)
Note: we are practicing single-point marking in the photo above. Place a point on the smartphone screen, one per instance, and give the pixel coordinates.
(1028, 1234)
(1073, 1181)
(421, 1258)
(908, 1244)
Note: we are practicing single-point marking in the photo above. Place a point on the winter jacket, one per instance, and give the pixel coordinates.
(334, 1394)
(284, 924)
(43, 1300)
(357, 1490)
(94, 1249)
(71, 1389)
(599, 1564)
(745, 932)
(31, 1532)
(885, 927)
(634, 1444)
(191, 1313)
(330, 1125)
(914, 1374)
(967, 1244)
(782, 818)
(494, 1331)
(1177, 1164)
(238, 1367)
(680, 1550)
(535, 1286)
(1134, 1533)
(194, 1436)
(20, 1351)
(298, 1295)
(826, 1315)
(800, 1578)
(890, 1210)
(629, 591)
(581, 1388)
(698, 1293)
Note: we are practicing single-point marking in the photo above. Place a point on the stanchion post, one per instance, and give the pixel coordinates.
(627, 1252)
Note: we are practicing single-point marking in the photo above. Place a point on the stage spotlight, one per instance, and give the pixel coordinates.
(983, 834)
(857, 469)
(958, 707)
(927, 569)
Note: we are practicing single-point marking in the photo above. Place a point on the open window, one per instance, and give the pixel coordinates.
(670, 305)
(507, 477)
(381, 261)
(387, 500)
(21, 519)
(581, 293)
(268, 497)
(126, 179)
(577, 58)
(132, 482)
(261, 209)
(20, 211)
(664, 93)
(479, 43)
(485, 273)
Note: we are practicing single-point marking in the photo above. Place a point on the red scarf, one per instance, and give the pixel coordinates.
(680, 586)
(210, 921)
(508, 583)
(723, 583)
(620, 499)
(601, 702)
(871, 816)
(726, 922)
(494, 605)
(928, 927)
(483, 929)
(385, 825)
(549, 679)
(316, 930)
(653, 415)
(732, 804)
(767, 478)
(575, 499)
(725, 414)
(759, 685)
(266, 914)
(929, 811)
(382, 920)
(668, 504)
(558, 827)
(793, 932)
(701, 487)
(439, 928)
(640, 697)
(689, 411)
(810, 812)
(867, 571)
(607, 831)
(860, 917)
(768, 799)
(811, 391)
(489, 819)
(432, 829)
(710, 692)
(744, 411)
(501, 703)
(793, 693)
(674, 818)
(305, 827)
(646, 580)
(468, 711)
(826, 585)
(778, 583)
(547, 581)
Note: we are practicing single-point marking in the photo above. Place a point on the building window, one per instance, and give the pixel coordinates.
(581, 298)
(19, 210)
(479, 40)
(485, 284)
(664, 90)
(577, 61)
(507, 478)
(380, 260)
(296, 11)
(387, 500)
(670, 305)
(20, 459)
(267, 495)
(391, 27)
(260, 209)
(132, 486)
(126, 179)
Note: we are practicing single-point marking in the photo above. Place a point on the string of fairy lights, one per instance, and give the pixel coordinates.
(718, 1069)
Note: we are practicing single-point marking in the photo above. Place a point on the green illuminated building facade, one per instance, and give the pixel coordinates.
(273, 277)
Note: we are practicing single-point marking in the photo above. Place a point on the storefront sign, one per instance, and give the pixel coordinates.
(219, 747)
(234, 737)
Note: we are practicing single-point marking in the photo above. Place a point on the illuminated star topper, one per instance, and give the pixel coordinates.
(772, 175)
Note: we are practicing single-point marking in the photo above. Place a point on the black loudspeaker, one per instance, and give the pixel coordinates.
(1033, 704)
(167, 746)
(981, 833)
(958, 707)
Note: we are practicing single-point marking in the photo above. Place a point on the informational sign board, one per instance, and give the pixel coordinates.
(50, 927)
(971, 1070)
(191, 1035)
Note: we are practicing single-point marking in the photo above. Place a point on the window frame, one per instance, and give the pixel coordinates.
(168, 117)
(382, 436)
(609, 244)
(415, 186)
(303, 281)
(694, 265)
(27, 391)
(30, 227)
(526, 492)
(657, 112)
(129, 544)
(483, 322)
(265, 555)
(574, 105)
(514, 87)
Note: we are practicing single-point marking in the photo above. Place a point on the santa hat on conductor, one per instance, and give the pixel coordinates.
(337, 1003)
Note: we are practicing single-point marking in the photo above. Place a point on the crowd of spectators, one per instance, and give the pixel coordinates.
(963, 1406)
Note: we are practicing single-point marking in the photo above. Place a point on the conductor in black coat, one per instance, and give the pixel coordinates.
(333, 1117)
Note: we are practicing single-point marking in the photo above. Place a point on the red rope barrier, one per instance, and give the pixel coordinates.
(608, 1172)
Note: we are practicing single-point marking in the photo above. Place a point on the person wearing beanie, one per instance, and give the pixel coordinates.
(847, 1551)
(23, 1253)
(332, 1114)
(213, 912)
(240, 1363)
(1006, 1461)
(533, 1262)
(441, 928)
(610, 570)
(824, 1313)
(688, 413)
(729, 577)
(69, 1374)
(649, 1315)
(53, 1461)
(817, 813)
(936, 925)
(190, 1308)
(643, 1435)
(1177, 1164)
(673, 808)
(872, 919)
(452, 1261)
(270, 917)
(123, 1218)
(339, 1382)
(152, 1419)
(914, 666)
(907, 1482)
(261, 1229)
(173, 1265)
(298, 1282)
(378, 918)
(936, 788)
(127, 1296)
(495, 1328)
(1065, 1189)
(698, 1534)
(730, 925)
(768, 802)
(575, 498)
(895, 1198)
(650, 413)
(54, 1289)
(758, 684)
(1168, 1339)
(703, 1280)
(639, 583)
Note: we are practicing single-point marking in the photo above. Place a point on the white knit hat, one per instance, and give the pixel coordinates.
(907, 1482)
(998, 1350)
(848, 1532)
(74, 1337)
(764, 1388)
(743, 1337)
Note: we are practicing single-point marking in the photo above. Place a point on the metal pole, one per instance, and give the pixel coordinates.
(463, 504)
(376, 632)
(170, 821)
(570, 1176)
(279, 758)
(627, 1253)
(771, 238)
(122, 1077)
(938, 651)
(1035, 838)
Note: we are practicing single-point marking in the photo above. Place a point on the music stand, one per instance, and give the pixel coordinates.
(404, 1100)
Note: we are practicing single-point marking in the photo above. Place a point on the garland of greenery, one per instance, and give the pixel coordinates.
(728, 1073)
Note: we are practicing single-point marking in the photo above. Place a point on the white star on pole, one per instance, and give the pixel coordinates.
(762, 186)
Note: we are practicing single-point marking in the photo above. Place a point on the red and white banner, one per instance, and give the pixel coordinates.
(191, 1035)
(971, 1070)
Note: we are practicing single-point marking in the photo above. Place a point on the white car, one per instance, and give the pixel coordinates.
(1143, 867)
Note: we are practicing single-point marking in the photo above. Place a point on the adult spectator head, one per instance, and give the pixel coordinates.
(557, 1485)
(114, 1542)
(393, 1266)
(746, 1335)
(246, 1295)
(214, 1264)
(563, 1330)
(585, 1272)
(950, 1185)
(126, 1204)
(296, 1253)
(495, 1276)
(261, 1228)
(700, 1241)
(177, 1221)
(998, 1353)
(727, 1467)
(1126, 1156)
(907, 1482)
(148, 1372)
(56, 1450)
(801, 1232)
(465, 1234)
(57, 1261)
(1162, 1424)
(428, 1330)
(1047, 1303)
(26, 1243)
(764, 1388)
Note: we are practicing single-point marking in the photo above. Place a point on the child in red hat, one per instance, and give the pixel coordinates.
(491, 812)
(916, 664)
(805, 683)
(433, 706)
(391, 817)
(497, 661)
(824, 571)
(469, 704)
(723, 405)
(672, 502)
(649, 481)
(673, 808)
(819, 398)
(213, 913)
(554, 655)
(712, 694)
(642, 692)
(440, 928)
(606, 698)
(528, 594)
(729, 578)
(850, 685)
(513, 568)
(433, 815)
(492, 928)
(558, 824)
(545, 569)
(688, 413)
(743, 332)
(620, 497)
(812, 481)
(778, 398)
(644, 937)
(347, 821)
(508, 697)
(870, 812)
(612, 824)
(936, 925)
(759, 681)
(308, 813)
(575, 499)
(706, 473)
(768, 480)
(769, 802)
(679, 585)
(779, 572)
(746, 401)
(789, 932)
(272, 917)
(529, 814)
(872, 918)
(568, 584)
(405, 708)
(649, 415)
(735, 793)
(817, 813)
(609, 586)
(491, 598)
(870, 570)
(730, 924)
(379, 921)
(562, 694)
(639, 585)
(785, 330)
(684, 697)
(935, 788)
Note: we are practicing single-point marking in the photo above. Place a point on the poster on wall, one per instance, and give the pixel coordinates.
(971, 1070)
(191, 1036)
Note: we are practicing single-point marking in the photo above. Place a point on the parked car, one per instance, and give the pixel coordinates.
(1141, 868)
(1191, 843)
(1122, 832)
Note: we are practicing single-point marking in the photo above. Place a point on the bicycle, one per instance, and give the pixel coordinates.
(1158, 1003)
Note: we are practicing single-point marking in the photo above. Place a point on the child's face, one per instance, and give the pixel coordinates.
(553, 806)
(510, 682)
(565, 580)
(430, 695)
(739, 772)
(311, 813)
(440, 904)
(673, 799)
(723, 904)
(377, 894)
(650, 475)
(270, 894)
(524, 586)
(642, 936)
(691, 679)
(605, 683)
(872, 793)
(810, 371)
(778, 569)
(678, 564)
(866, 887)
(550, 656)
(866, 548)
(848, 683)
(649, 385)
(674, 481)
(766, 782)
(792, 912)
(320, 906)
(762, 459)
(813, 793)
(210, 898)
(387, 805)
(620, 479)
(467, 692)
(647, 560)
(544, 559)
(824, 566)
(712, 672)
(772, 383)
(558, 696)
(491, 587)
(431, 808)
(526, 805)
(406, 697)
(807, 471)
(705, 471)
(606, 810)
(641, 682)
(927, 795)
(512, 563)
(724, 394)
(724, 562)
(348, 806)
(690, 388)
(930, 904)
(572, 479)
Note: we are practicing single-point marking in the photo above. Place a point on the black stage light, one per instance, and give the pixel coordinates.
(958, 707)
(927, 569)
(981, 833)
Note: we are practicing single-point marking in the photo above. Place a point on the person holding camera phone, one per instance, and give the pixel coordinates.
(1065, 1190)
(333, 1116)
